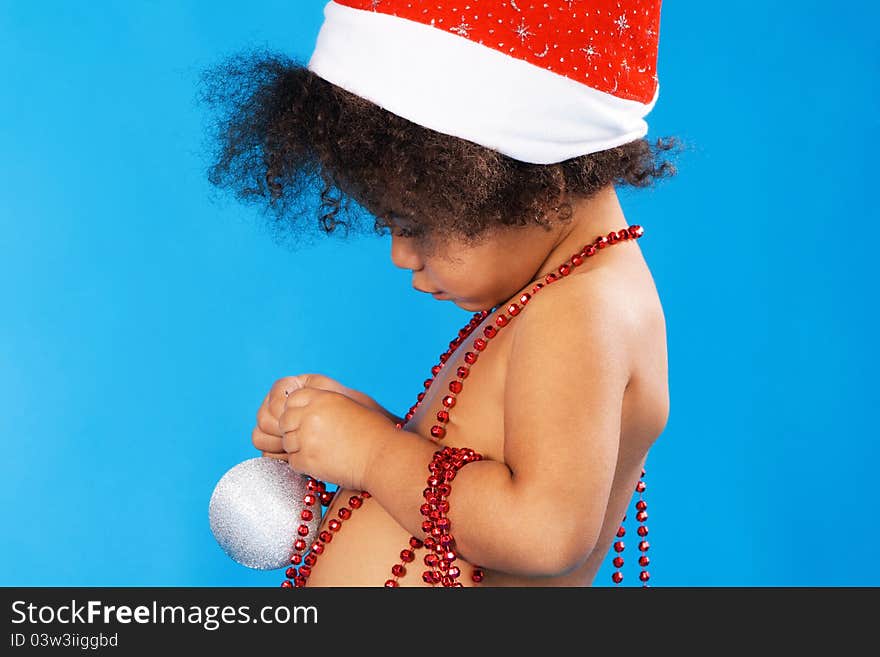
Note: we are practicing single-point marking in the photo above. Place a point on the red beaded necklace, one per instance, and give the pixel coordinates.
(439, 541)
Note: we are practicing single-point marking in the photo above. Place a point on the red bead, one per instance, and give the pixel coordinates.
(618, 546)
(644, 576)
(437, 431)
(549, 278)
(617, 577)
(449, 401)
(576, 259)
(642, 531)
(490, 331)
(621, 532)
(463, 372)
(420, 396)
(354, 502)
(318, 548)
(436, 369)
(643, 546)
(641, 516)
(601, 242)
(564, 270)
(325, 536)
(299, 581)
(306, 515)
(446, 580)
(480, 344)
(428, 576)
(612, 237)
(640, 487)
(427, 383)
(524, 298)
(326, 498)
(296, 559)
(470, 357)
(644, 560)
(286, 584)
(334, 525)
(443, 416)
(623, 234)
(641, 505)
(300, 544)
(407, 556)
(310, 559)
(290, 572)
(589, 250)
(455, 386)
(501, 321)
(344, 513)
(390, 583)
(415, 543)
(427, 525)
(444, 357)
(513, 309)
(365, 495)
(618, 562)
(309, 499)
(397, 570)
(303, 530)
(305, 571)
(312, 485)
(636, 230)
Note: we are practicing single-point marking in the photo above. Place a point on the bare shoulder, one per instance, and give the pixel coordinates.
(596, 340)
(589, 314)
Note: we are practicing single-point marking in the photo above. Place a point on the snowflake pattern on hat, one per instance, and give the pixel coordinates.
(609, 45)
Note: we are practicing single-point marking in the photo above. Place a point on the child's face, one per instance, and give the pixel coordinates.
(476, 277)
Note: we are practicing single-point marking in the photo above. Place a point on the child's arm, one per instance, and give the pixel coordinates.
(540, 512)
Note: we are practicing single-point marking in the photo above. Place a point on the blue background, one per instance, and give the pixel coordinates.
(144, 319)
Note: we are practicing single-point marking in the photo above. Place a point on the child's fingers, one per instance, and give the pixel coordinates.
(283, 456)
(266, 442)
(267, 421)
(279, 392)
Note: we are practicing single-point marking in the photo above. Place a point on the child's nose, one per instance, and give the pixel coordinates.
(403, 254)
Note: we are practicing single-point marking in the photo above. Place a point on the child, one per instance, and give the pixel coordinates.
(480, 141)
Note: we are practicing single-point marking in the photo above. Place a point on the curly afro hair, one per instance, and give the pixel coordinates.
(277, 127)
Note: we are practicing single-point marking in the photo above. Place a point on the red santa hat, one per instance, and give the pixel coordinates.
(540, 82)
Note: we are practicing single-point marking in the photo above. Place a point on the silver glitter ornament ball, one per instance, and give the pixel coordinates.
(255, 513)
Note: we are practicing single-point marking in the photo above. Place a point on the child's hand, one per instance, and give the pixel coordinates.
(268, 435)
(332, 437)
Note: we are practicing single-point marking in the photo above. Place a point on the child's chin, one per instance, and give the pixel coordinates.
(466, 305)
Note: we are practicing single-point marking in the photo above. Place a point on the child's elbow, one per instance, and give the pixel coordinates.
(564, 552)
